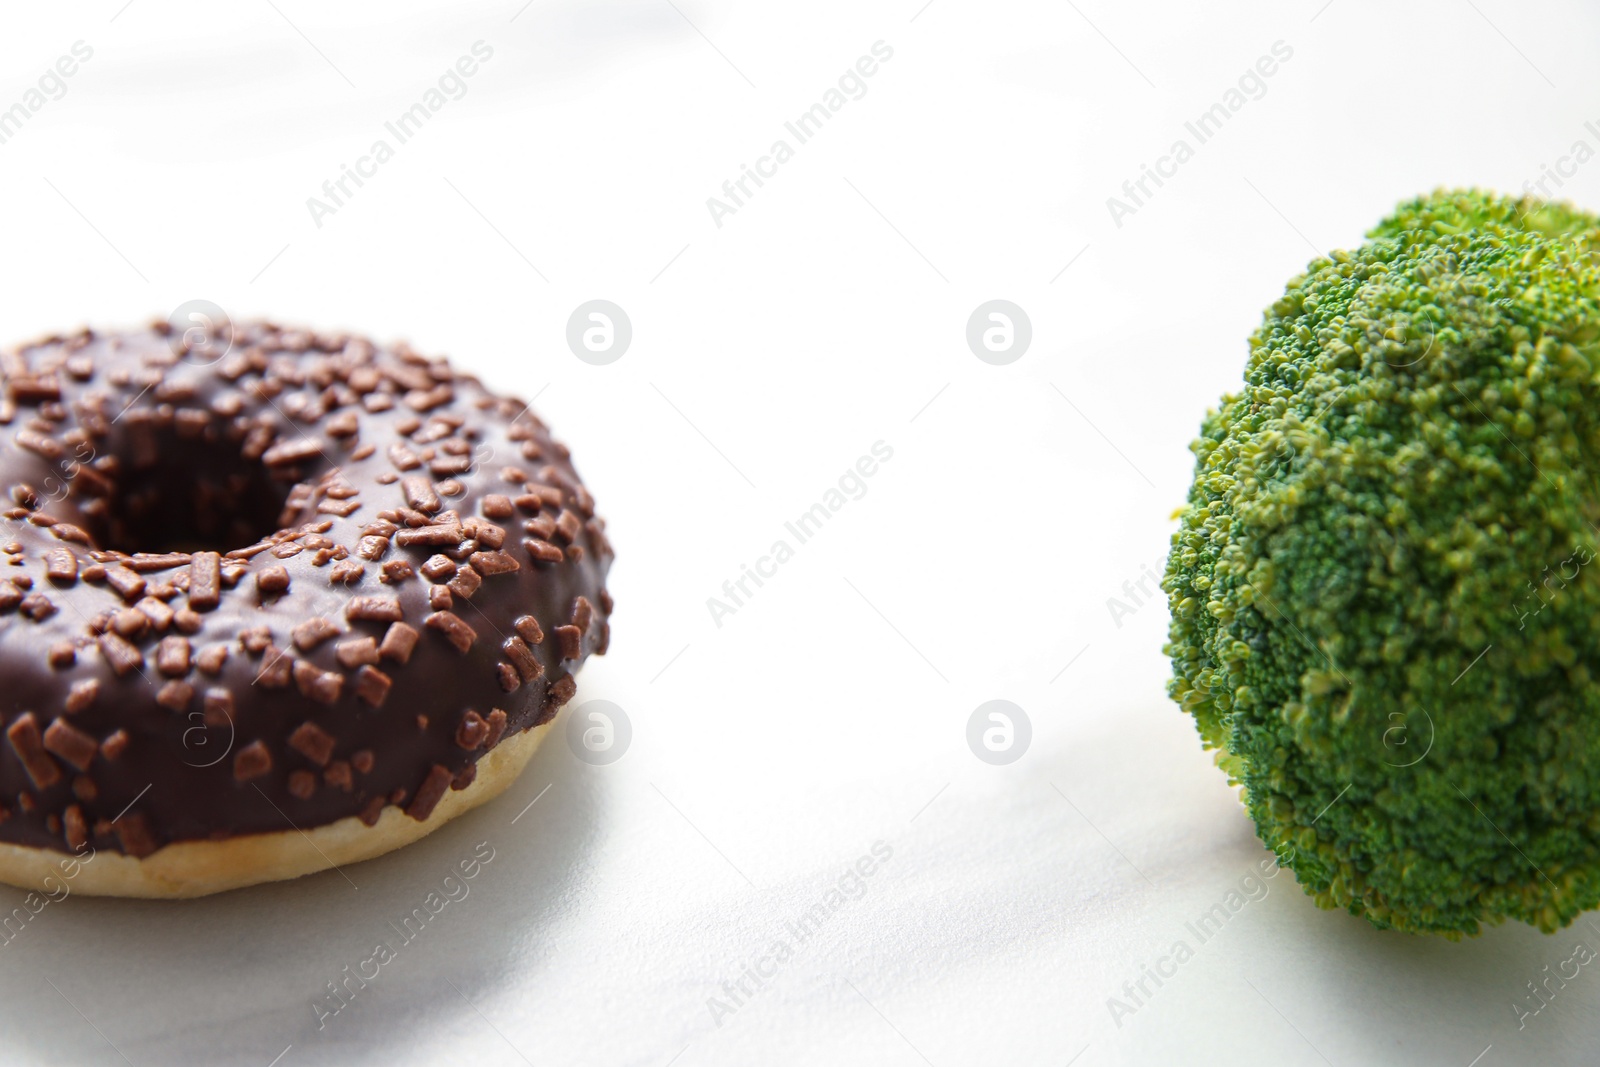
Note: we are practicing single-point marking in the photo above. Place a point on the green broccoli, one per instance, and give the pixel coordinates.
(1383, 615)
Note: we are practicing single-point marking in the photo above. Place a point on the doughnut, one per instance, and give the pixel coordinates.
(272, 602)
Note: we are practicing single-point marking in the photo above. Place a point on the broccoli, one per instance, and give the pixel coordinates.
(1383, 614)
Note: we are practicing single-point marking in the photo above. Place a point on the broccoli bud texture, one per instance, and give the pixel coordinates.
(1384, 588)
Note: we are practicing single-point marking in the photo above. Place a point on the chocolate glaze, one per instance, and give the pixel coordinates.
(275, 586)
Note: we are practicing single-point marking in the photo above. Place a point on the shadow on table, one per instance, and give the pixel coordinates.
(241, 977)
(1530, 996)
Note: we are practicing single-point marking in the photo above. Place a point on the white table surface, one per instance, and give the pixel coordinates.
(829, 712)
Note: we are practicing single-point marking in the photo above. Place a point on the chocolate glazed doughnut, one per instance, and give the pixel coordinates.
(271, 602)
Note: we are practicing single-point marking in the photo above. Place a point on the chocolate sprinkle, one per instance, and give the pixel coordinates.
(217, 707)
(252, 761)
(510, 680)
(135, 835)
(571, 639)
(75, 829)
(29, 747)
(439, 568)
(172, 656)
(205, 581)
(465, 583)
(473, 731)
(497, 728)
(276, 667)
(114, 746)
(489, 564)
(175, 695)
(522, 657)
(317, 684)
(429, 794)
(356, 652)
(372, 686)
(438, 534)
(313, 632)
(122, 656)
(398, 642)
(451, 625)
(372, 811)
(61, 566)
(273, 580)
(543, 551)
(71, 744)
(81, 695)
(211, 659)
(313, 742)
(420, 495)
(338, 775)
(374, 609)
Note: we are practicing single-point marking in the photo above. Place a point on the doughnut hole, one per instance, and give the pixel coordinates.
(159, 492)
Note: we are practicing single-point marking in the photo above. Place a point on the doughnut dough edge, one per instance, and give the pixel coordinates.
(200, 868)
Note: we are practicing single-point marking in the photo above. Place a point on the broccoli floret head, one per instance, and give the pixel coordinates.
(1384, 588)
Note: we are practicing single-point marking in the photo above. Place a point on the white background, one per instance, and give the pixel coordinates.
(829, 712)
